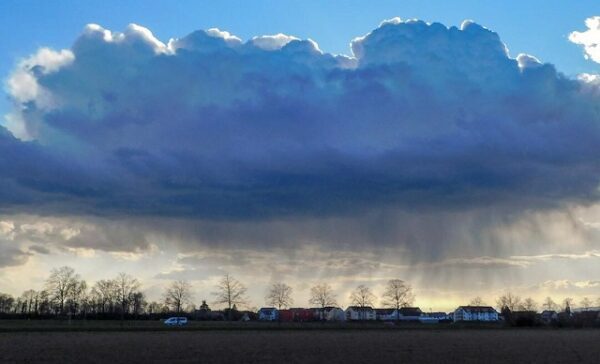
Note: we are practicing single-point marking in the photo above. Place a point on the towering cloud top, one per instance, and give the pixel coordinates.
(208, 125)
(589, 39)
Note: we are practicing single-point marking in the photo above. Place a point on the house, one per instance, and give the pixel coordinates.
(268, 314)
(296, 315)
(286, 315)
(475, 313)
(410, 314)
(434, 317)
(303, 314)
(440, 316)
(385, 314)
(549, 316)
(355, 313)
(329, 313)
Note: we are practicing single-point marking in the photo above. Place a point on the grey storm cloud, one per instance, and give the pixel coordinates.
(421, 117)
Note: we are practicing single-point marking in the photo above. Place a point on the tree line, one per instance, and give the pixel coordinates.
(66, 294)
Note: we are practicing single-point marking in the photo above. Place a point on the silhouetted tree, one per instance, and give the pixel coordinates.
(529, 304)
(322, 295)
(105, 296)
(178, 294)
(397, 294)
(362, 297)
(279, 295)
(126, 286)
(60, 285)
(6, 303)
(230, 292)
(138, 303)
(30, 299)
(586, 303)
(77, 296)
(549, 304)
(509, 300)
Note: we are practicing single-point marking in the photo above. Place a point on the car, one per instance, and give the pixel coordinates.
(176, 321)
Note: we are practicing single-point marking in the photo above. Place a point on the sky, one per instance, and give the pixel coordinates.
(455, 146)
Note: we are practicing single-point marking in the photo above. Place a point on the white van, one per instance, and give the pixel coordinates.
(176, 321)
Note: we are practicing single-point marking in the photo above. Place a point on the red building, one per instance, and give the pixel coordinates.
(286, 315)
(296, 315)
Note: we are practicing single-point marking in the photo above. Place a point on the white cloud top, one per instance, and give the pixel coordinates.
(589, 39)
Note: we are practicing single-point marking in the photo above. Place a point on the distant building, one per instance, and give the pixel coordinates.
(268, 314)
(549, 316)
(385, 314)
(410, 314)
(441, 316)
(329, 313)
(475, 313)
(296, 315)
(356, 313)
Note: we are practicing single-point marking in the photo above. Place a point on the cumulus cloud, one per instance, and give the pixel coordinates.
(210, 126)
(589, 39)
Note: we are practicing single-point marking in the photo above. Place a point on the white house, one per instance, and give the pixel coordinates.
(268, 314)
(336, 314)
(475, 313)
(329, 313)
(356, 313)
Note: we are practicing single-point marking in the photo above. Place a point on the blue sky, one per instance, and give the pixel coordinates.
(432, 156)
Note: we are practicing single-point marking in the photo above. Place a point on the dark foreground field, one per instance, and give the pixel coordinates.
(304, 346)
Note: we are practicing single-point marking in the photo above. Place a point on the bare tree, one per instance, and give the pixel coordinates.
(549, 304)
(529, 304)
(105, 295)
(60, 284)
(77, 297)
(279, 295)
(178, 294)
(6, 303)
(510, 301)
(156, 308)
(477, 301)
(138, 303)
(397, 294)
(230, 292)
(362, 297)
(30, 299)
(322, 295)
(126, 286)
(586, 303)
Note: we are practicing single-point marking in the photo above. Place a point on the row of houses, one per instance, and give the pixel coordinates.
(356, 313)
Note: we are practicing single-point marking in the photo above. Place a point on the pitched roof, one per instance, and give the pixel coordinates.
(358, 308)
(384, 311)
(479, 309)
(410, 311)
